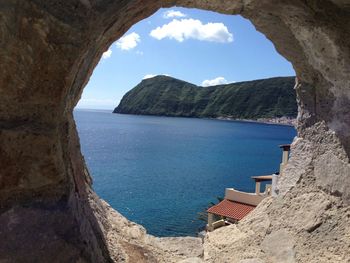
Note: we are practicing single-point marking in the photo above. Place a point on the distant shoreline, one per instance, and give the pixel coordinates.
(286, 121)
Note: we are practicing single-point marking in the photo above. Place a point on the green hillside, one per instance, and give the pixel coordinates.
(166, 96)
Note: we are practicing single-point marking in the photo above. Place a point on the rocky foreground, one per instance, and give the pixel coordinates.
(129, 242)
(48, 212)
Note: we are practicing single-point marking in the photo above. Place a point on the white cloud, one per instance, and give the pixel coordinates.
(107, 54)
(129, 41)
(183, 29)
(213, 82)
(173, 13)
(148, 76)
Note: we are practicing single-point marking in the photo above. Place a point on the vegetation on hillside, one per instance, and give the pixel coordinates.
(167, 96)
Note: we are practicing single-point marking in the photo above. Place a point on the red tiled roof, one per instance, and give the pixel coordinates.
(231, 209)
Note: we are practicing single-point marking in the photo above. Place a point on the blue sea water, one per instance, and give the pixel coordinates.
(161, 171)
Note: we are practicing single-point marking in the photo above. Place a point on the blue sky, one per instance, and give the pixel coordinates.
(197, 46)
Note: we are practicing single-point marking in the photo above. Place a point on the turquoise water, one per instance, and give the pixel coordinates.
(161, 171)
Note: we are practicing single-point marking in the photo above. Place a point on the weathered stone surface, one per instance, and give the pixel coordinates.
(251, 260)
(279, 247)
(187, 246)
(191, 260)
(48, 212)
(330, 171)
(300, 161)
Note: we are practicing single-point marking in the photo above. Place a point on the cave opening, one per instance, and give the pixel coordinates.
(142, 165)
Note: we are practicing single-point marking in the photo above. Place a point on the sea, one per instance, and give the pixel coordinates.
(163, 172)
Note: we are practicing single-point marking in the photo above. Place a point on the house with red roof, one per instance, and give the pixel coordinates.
(236, 204)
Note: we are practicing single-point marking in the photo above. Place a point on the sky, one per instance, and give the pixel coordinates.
(202, 47)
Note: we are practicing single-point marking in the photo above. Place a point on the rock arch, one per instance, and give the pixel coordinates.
(48, 212)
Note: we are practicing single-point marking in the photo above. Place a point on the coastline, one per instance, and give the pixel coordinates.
(285, 121)
(276, 120)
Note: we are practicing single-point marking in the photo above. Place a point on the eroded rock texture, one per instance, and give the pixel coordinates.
(48, 212)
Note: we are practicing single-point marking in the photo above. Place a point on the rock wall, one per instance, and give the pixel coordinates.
(48, 212)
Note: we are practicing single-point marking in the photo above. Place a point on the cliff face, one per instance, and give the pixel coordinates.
(167, 96)
(48, 211)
